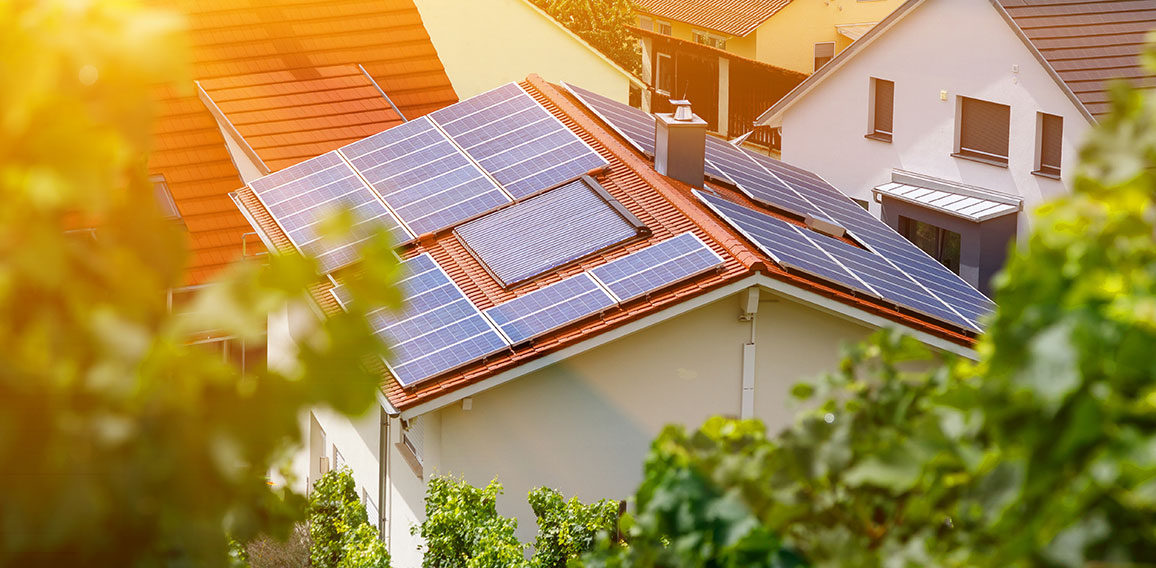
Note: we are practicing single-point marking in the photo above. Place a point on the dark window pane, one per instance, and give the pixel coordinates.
(941, 244)
(949, 250)
(984, 129)
(665, 72)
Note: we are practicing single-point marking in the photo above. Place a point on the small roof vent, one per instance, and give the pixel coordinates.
(682, 112)
(825, 226)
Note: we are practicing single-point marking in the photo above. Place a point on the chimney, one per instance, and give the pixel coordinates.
(680, 144)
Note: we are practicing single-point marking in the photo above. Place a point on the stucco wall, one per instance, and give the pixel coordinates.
(788, 39)
(583, 425)
(962, 47)
(487, 43)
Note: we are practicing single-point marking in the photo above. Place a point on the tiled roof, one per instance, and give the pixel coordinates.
(290, 116)
(231, 38)
(735, 17)
(665, 206)
(1089, 42)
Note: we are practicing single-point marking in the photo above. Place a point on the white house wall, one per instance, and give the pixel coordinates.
(963, 47)
(583, 425)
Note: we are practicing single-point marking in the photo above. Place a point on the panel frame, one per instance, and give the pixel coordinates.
(716, 266)
(597, 285)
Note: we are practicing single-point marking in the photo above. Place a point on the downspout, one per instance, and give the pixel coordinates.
(750, 311)
(383, 512)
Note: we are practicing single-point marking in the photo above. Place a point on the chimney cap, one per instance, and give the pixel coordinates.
(682, 110)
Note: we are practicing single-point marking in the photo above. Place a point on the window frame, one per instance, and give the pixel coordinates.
(166, 203)
(659, 24)
(646, 23)
(975, 154)
(1042, 169)
(815, 55)
(909, 224)
(873, 130)
(658, 67)
(719, 42)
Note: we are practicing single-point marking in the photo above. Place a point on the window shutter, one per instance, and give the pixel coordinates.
(884, 105)
(984, 129)
(1051, 142)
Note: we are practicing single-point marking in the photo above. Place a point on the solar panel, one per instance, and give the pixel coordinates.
(753, 180)
(302, 196)
(656, 267)
(517, 141)
(341, 294)
(424, 177)
(785, 243)
(550, 308)
(892, 284)
(873, 233)
(547, 231)
(437, 330)
(635, 125)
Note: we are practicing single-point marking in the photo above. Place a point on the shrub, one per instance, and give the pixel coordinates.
(462, 528)
(566, 529)
(342, 536)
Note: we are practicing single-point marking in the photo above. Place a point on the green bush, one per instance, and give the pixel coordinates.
(566, 529)
(462, 528)
(341, 534)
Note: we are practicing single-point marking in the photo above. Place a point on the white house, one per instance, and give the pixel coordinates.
(590, 274)
(952, 119)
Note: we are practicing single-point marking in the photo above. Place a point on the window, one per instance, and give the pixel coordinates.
(646, 23)
(1050, 133)
(413, 436)
(664, 74)
(664, 28)
(709, 39)
(164, 197)
(982, 131)
(882, 109)
(824, 52)
(941, 244)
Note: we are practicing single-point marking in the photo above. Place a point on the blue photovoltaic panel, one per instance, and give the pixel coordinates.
(301, 196)
(891, 283)
(550, 308)
(755, 181)
(517, 141)
(876, 235)
(545, 232)
(635, 125)
(424, 177)
(341, 294)
(785, 243)
(437, 330)
(656, 267)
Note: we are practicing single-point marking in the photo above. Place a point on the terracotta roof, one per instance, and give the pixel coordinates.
(665, 206)
(290, 116)
(735, 17)
(1089, 42)
(243, 38)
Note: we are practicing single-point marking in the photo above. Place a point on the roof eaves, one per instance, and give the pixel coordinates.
(1067, 90)
(774, 115)
(227, 127)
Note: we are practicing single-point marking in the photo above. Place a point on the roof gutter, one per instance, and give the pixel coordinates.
(1043, 62)
(773, 116)
(822, 303)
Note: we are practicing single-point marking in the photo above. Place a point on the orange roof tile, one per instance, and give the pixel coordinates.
(735, 17)
(266, 47)
(665, 206)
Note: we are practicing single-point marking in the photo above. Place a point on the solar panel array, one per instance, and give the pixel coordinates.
(635, 125)
(797, 191)
(517, 141)
(656, 267)
(545, 232)
(438, 329)
(550, 308)
(424, 177)
(301, 197)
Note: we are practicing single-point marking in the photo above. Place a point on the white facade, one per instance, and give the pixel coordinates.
(581, 420)
(937, 52)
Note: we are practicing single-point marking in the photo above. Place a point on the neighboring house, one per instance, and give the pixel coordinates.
(485, 43)
(734, 58)
(953, 119)
(577, 276)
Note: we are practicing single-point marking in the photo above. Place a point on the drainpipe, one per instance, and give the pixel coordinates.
(383, 499)
(750, 310)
